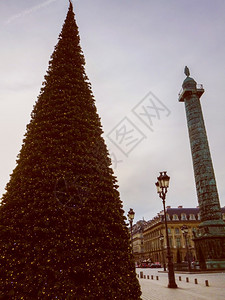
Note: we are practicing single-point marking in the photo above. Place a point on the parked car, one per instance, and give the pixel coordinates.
(155, 265)
(144, 264)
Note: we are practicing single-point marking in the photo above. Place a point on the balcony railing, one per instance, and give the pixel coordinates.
(198, 87)
(188, 91)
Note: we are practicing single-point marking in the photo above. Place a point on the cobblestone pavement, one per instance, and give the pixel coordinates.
(153, 289)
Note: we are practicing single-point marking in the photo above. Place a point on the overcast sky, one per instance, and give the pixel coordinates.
(135, 55)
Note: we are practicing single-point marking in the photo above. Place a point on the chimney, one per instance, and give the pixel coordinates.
(180, 206)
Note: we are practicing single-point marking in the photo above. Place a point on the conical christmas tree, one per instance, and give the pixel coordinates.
(63, 234)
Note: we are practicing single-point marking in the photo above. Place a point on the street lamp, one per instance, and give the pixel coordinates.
(162, 185)
(161, 238)
(130, 215)
(184, 230)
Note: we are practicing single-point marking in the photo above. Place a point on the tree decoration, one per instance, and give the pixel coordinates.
(63, 233)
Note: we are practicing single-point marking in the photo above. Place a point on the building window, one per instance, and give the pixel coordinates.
(183, 217)
(175, 217)
(192, 217)
(177, 231)
(178, 242)
(223, 216)
(167, 217)
(199, 217)
(169, 230)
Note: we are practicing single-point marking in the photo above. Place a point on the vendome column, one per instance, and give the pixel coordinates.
(210, 238)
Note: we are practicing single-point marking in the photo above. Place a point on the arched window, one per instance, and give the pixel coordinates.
(168, 217)
(177, 230)
(183, 217)
(192, 217)
(175, 217)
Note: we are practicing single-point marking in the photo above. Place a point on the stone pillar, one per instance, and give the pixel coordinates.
(210, 239)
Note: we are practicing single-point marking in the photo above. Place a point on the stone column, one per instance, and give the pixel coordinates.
(212, 227)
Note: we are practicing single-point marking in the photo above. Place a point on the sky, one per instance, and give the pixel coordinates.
(135, 54)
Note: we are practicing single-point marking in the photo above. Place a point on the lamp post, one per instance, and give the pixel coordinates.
(130, 215)
(161, 238)
(162, 185)
(184, 230)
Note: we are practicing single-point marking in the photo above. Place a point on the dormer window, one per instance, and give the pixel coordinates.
(192, 217)
(183, 217)
(175, 217)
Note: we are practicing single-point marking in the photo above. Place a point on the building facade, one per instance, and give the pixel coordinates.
(148, 246)
(156, 248)
(138, 240)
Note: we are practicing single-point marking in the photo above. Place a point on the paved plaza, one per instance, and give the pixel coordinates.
(153, 289)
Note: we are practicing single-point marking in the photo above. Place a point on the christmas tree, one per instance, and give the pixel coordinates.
(63, 233)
